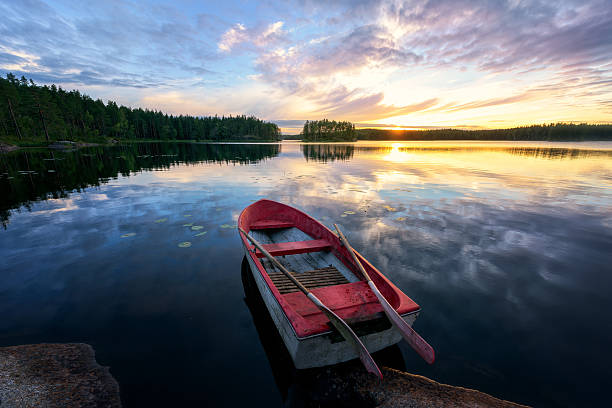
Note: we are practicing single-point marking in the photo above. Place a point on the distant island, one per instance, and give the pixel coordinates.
(331, 131)
(34, 115)
(328, 131)
(550, 132)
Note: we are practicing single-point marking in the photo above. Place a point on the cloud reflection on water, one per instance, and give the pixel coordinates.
(505, 248)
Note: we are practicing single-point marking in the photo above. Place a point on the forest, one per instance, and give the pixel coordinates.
(550, 132)
(31, 114)
(328, 130)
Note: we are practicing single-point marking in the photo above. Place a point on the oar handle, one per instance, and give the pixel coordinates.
(352, 252)
(275, 262)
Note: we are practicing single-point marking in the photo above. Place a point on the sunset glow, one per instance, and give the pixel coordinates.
(466, 64)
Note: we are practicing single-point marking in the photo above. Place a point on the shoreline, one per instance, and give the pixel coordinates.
(57, 374)
(70, 145)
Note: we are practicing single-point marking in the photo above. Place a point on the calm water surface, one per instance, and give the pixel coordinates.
(506, 246)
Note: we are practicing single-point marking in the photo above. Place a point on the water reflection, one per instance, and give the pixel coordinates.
(338, 151)
(505, 246)
(27, 176)
(539, 152)
(328, 152)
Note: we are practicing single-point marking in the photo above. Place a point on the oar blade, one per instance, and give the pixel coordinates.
(350, 336)
(408, 333)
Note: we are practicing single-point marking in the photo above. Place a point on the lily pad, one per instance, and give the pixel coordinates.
(349, 212)
(188, 225)
(200, 234)
(389, 208)
(197, 227)
(187, 215)
(161, 220)
(228, 226)
(185, 244)
(129, 234)
(400, 218)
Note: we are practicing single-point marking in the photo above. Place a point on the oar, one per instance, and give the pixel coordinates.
(338, 323)
(411, 336)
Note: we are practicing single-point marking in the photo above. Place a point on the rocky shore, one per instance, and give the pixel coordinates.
(55, 375)
(353, 387)
(5, 148)
(67, 375)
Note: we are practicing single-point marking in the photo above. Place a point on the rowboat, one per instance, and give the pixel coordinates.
(301, 388)
(310, 277)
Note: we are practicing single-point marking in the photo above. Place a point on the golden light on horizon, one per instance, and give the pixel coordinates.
(398, 156)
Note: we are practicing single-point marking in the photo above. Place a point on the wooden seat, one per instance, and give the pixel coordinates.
(271, 224)
(294, 247)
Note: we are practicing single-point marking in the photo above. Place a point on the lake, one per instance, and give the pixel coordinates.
(507, 247)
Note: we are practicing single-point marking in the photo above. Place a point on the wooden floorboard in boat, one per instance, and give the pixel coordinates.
(328, 276)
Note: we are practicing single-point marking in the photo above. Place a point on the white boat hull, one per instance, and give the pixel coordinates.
(320, 350)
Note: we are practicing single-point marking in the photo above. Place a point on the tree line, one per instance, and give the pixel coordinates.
(328, 130)
(30, 113)
(549, 132)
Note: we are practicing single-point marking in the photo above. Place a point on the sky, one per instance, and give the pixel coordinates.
(410, 64)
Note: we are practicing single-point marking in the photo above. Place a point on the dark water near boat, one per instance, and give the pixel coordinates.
(506, 246)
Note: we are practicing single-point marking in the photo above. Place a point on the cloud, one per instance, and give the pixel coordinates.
(260, 36)
(312, 69)
(529, 38)
(452, 107)
(116, 44)
(233, 36)
(371, 106)
(359, 59)
(17, 60)
(413, 127)
(290, 122)
(366, 46)
(504, 36)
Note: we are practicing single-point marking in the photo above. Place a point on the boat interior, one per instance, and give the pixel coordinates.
(314, 259)
(310, 260)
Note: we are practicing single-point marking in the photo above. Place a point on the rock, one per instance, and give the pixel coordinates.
(354, 387)
(399, 389)
(55, 375)
(5, 148)
(62, 145)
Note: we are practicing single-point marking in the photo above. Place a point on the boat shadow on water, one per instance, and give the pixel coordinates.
(333, 386)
